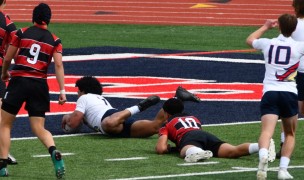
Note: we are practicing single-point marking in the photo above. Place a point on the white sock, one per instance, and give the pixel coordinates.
(253, 148)
(284, 162)
(193, 150)
(282, 137)
(133, 110)
(263, 152)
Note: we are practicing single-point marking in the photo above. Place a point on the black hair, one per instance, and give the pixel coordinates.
(173, 106)
(42, 14)
(89, 84)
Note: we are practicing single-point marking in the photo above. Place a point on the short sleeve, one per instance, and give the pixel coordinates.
(163, 131)
(81, 104)
(261, 43)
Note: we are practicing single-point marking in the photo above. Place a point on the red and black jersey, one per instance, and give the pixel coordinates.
(7, 30)
(178, 126)
(36, 47)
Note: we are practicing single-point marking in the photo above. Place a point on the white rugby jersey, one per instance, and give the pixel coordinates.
(298, 35)
(93, 107)
(281, 56)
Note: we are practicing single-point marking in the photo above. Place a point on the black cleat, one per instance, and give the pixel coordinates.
(184, 95)
(148, 102)
(278, 154)
(11, 160)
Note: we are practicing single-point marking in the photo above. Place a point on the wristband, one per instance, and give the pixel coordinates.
(62, 91)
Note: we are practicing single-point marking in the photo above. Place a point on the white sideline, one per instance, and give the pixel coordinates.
(200, 173)
(99, 57)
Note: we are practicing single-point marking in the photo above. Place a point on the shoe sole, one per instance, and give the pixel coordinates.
(198, 156)
(192, 97)
(271, 151)
(261, 175)
(60, 171)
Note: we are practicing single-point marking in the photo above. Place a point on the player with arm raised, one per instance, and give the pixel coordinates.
(282, 55)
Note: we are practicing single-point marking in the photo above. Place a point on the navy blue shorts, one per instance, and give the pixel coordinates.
(300, 86)
(281, 103)
(202, 139)
(126, 132)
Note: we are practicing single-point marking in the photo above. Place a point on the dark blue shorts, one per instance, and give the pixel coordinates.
(126, 132)
(281, 103)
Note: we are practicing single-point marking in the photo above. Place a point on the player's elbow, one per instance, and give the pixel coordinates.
(249, 41)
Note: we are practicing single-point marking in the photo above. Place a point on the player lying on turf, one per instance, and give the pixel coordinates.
(192, 142)
(97, 113)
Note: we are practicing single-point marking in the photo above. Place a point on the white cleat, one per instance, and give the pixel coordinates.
(262, 169)
(271, 151)
(198, 156)
(284, 174)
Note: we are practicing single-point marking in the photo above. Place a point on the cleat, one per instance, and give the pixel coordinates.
(262, 169)
(271, 151)
(191, 158)
(11, 160)
(278, 155)
(284, 174)
(58, 164)
(3, 172)
(184, 95)
(148, 102)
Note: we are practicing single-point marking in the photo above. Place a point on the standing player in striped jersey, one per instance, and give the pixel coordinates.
(282, 57)
(36, 46)
(193, 143)
(7, 30)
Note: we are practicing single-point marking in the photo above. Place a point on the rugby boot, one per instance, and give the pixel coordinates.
(148, 102)
(184, 95)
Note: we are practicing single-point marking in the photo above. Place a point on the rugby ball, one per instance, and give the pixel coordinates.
(67, 129)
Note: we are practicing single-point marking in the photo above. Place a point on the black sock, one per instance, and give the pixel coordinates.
(3, 163)
(51, 149)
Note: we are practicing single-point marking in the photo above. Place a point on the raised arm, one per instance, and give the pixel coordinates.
(269, 24)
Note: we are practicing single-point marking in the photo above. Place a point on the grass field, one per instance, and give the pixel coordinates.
(199, 38)
(92, 154)
(94, 157)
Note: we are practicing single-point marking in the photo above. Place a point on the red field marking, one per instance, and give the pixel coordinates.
(172, 12)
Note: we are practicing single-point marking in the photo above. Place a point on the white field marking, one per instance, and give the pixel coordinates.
(198, 163)
(200, 173)
(56, 136)
(127, 159)
(47, 155)
(86, 134)
(269, 169)
(135, 55)
(60, 12)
